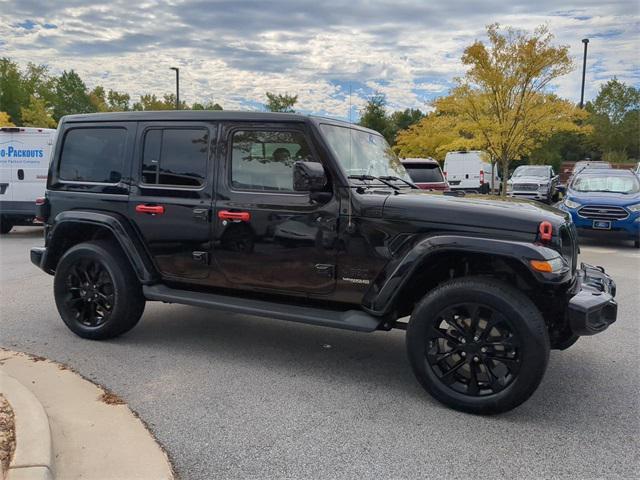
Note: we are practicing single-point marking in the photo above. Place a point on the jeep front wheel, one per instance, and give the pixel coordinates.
(478, 345)
(96, 291)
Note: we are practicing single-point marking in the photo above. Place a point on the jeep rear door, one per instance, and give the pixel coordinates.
(268, 236)
(171, 195)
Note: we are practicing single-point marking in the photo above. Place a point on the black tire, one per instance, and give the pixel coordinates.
(466, 379)
(636, 243)
(5, 225)
(96, 291)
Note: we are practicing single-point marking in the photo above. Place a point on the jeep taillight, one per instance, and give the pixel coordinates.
(481, 177)
(42, 209)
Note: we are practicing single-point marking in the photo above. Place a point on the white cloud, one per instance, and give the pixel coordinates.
(232, 52)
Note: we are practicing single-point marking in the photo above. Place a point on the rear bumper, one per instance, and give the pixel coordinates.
(592, 308)
(37, 256)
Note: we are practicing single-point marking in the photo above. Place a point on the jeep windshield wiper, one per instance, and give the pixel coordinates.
(398, 179)
(372, 177)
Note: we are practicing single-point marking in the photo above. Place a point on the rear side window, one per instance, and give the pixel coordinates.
(263, 160)
(93, 155)
(175, 157)
(424, 173)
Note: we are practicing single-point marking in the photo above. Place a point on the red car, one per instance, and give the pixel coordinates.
(426, 173)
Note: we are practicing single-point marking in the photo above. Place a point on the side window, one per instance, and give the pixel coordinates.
(93, 155)
(175, 157)
(263, 160)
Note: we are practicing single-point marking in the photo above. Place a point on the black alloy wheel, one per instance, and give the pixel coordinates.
(89, 292)
(472, 349)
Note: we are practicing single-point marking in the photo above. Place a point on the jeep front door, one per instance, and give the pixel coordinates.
(268, 236)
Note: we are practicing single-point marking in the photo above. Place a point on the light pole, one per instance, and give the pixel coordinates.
(177, 86)
(584, 70)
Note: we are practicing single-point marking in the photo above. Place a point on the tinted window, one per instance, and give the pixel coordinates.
(424, 173)
(263, 160)
(175, 156)
(93, 155)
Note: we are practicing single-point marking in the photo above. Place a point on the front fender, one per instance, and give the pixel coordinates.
(380, 297)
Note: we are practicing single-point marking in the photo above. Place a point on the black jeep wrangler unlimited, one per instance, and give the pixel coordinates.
(311, 220)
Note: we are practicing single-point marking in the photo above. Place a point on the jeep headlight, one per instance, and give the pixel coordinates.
(571, 204)
(634, 208)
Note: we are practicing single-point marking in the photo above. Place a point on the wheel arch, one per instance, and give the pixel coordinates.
(74, 227)
(433, 260)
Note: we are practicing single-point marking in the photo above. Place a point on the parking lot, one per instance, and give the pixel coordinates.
(230, 396)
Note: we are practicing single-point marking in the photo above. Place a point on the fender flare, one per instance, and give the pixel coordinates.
(380, 297)
(117, 225)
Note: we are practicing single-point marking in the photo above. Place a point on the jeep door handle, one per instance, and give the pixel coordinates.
(152, 209)
(237, 216)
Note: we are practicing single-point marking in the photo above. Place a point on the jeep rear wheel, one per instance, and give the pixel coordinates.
(97, 293)
(478, 345)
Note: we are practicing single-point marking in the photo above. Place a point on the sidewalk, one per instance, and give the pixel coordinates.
(93, 434)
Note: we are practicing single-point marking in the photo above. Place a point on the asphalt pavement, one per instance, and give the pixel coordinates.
(231, 396)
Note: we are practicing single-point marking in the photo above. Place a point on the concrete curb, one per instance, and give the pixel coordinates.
(33, 457)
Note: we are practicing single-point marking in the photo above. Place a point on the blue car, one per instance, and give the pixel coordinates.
(605, 200)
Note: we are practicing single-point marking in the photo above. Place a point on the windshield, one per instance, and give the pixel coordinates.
(531, 172)
(425, 173)
(612, 183)
(363, 153)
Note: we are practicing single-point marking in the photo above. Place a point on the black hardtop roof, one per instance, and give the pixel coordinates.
(203, 115)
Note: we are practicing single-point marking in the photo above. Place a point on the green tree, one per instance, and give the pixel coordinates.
(206, 106)
(98, 99)
(374, 116)
(280, 103)
(71, 96)
(12, 92)
(37, 114)
(615, 117)
(403, 119)
(117, 101)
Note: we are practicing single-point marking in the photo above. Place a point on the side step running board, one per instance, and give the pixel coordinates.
(349, 320)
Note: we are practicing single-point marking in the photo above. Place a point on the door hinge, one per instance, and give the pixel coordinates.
(200, 257)
(325, 270)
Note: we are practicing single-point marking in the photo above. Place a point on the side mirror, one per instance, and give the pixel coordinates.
(308, 177)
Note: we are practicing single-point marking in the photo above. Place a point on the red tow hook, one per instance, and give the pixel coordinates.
(546, 231)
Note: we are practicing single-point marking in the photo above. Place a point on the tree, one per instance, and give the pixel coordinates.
(12, 91)
(374, 116)
(37, 114)
(615, 117)
(98, 100)
(5, 120)
(280, 103)
(502, 105)
(207, 106)
(118, 102)
(151, 102)
(71, 96)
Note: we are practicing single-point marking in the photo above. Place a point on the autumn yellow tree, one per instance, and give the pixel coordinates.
(37, 114)
(502, 104)
(5, 120)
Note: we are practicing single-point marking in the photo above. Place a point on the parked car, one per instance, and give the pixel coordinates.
(534, 182)
(24, 161)
(426, 173)
(471, 171)
(605, 200)
(311, 220)
(583, 164)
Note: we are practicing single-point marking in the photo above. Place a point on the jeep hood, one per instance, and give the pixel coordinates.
(471, 211)
(529, 179)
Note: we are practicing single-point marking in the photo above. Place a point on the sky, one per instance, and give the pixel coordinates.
(333, 54)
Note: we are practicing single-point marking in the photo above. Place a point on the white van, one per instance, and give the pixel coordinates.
(471, 171)
(24, 162)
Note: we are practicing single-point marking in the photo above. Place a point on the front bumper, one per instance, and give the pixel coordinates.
(592, 308)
